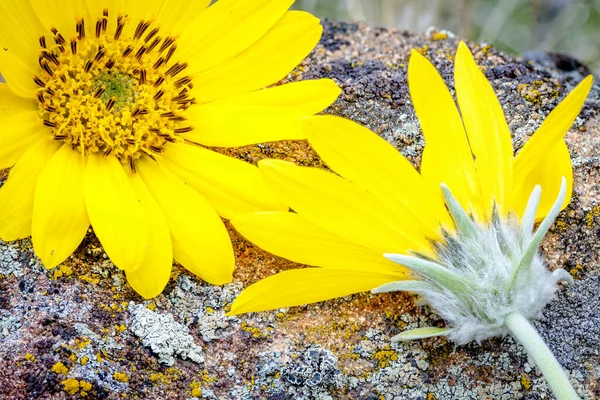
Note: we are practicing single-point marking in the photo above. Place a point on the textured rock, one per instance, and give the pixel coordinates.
(82, 323)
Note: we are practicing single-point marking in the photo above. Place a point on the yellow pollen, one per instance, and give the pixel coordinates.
(113, 93)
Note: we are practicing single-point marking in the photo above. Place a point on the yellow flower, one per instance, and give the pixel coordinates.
(378, 203)
(106, 111)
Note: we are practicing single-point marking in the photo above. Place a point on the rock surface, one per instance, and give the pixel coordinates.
(79, 330)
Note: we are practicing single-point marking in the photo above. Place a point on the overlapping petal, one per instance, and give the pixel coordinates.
(16, 194)
(200, 241)
(115, 212)
(18, 132)
(372, 224)
(60, 218)
(487, 131)
(264, 63)
(545, 158)
(447, 156)
(345, 146)
(230, 186)
(261, 116)
(153, 274)
(227, 28)
(290, 235)
(305, 286)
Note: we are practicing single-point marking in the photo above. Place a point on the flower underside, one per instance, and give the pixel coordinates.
(117, 95)
(483, 273)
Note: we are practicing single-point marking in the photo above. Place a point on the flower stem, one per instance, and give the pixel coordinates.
(522, 330)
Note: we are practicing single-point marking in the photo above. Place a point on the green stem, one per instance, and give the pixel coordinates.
(522, 330)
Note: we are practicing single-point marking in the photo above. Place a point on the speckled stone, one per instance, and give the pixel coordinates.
(82, 321)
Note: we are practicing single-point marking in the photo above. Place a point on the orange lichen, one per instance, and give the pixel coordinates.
(62, 271)
(385, 356)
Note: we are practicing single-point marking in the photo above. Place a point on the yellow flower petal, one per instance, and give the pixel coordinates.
(266, 62)
(487, 131)
(200, 241)
(16, 195)
(261, 116)
(227, 28)
(291, 236)
(370, 162)
(447, 156)
(20, 29)
(545, 158)
(340, 206)
(60, 219)
(230, 186)
(18, 132)
(305, 286)
(152, 276)
(11, 103)
(554, 165)
(116, 215)
(62, 17)
(176, 16)
(18, 74)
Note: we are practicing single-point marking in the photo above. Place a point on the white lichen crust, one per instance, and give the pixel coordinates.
(482, 273)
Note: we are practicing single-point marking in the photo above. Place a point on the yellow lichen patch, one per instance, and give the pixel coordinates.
(575, 271)
(561, 225)
(120, 328)
(89, 279)
(430, 396)
(99, 357)
(121, 377)
(151, 305)
(525, 382)
(84, 360)
(256, 332)
(71, 385)
(82, 343)
(170, 375)
(591, 215)
(207, 378)
(30, 357)
(60, 368)
(62, 271)
(422, 50)
(385, 356)
(537, 92)
(439, 36)
(196, 389)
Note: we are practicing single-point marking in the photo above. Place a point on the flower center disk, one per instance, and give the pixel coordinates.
(118, 95)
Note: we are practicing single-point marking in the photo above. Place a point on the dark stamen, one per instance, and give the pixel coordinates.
(80, 29)
(104, 20)
(153, 44)
(171, 52)
(50, 91)
(132, 164)
(109, 64)
(168, 41)
(158, 63)
(43, 41)
(159, 81)
(158, 95)
(47, 68)
(60, 137)
(120, 26)
(111, 103)
(183, 81)
(141, 28)
(141, 51)
(156, 149)
(99, 91)
(176, 68)
(50, 124)
(167, 114)
(183, 130)
(40, 97)
(39, 82)
(127, 51)
(51, 109)
(142, 77)
(152, 33)
(99, 27)
(107, 151)
(88, 65)
(99, 54)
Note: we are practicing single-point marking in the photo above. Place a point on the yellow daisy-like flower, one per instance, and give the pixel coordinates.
(378, 203)
(460, 233)
(106, 111)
